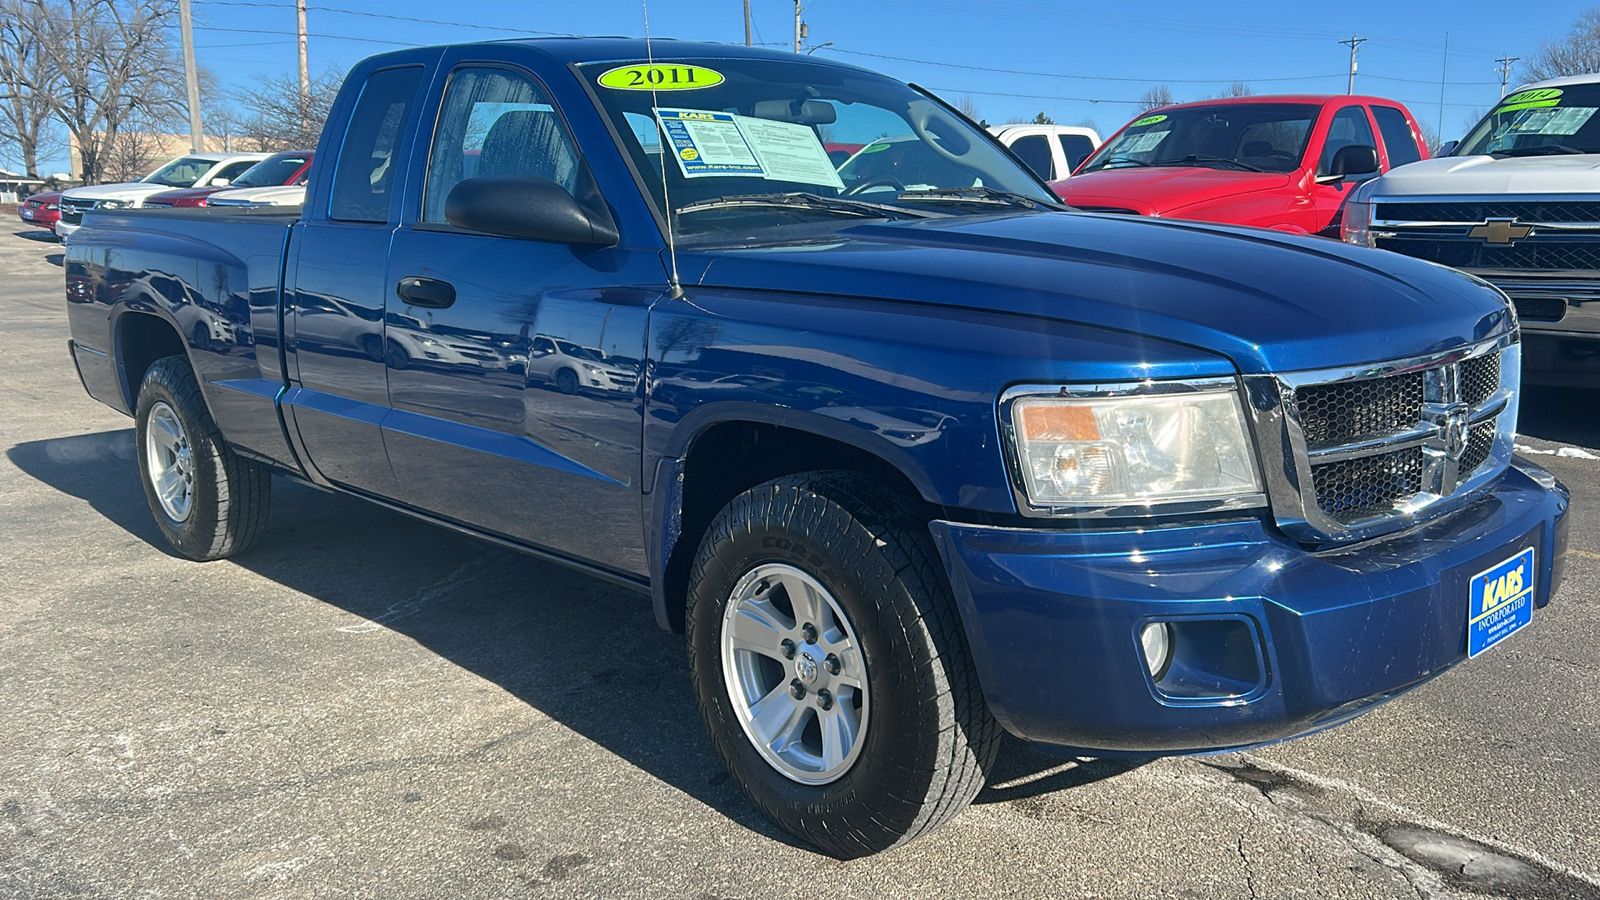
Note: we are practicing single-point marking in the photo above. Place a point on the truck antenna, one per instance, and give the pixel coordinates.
(675, 287)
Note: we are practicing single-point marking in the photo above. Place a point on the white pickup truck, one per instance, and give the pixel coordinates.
(1051, 151)
(1517, 203)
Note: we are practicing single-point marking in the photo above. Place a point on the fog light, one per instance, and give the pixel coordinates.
(1156, 639)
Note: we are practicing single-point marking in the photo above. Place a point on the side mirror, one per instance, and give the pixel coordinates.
(1356, 159)
(525, 207)
(1446, 148)
(219, 182)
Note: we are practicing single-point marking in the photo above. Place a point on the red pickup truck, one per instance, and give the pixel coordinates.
(1287, 162)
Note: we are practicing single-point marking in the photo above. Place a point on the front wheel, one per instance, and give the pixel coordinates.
(830, 667)
(208, 502)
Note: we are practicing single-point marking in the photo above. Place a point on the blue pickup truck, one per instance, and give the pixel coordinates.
(912, 454)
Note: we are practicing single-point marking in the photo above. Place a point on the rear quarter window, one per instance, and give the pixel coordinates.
(1397, 136)
(364, 179)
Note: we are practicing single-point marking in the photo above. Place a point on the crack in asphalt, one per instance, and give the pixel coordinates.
(1432, 856)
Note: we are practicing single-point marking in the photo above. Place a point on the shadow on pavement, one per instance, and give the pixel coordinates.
(1560, 415)
(582, 651)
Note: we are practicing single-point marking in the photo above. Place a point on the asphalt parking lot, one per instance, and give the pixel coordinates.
(368, 706)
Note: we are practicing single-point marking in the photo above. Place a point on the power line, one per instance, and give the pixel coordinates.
(948, 65)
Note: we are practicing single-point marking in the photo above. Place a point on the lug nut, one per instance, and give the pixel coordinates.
(798, 690)
(832, 664)
(810, 632)
(788, 648)
(825, 699)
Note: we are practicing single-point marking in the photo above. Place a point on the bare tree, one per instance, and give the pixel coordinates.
(29, 85)
(1237, 89)
(128, 154)
(116, 64)
(1576, 54)
(1158, 96)
(276, 116)
(1089, 124)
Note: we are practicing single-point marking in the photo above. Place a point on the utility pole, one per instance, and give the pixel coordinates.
(747, 23)
(191, 79)
(1444, 70)
(1505, 70)
(799, 26)
(305, 70)
(1354, 42)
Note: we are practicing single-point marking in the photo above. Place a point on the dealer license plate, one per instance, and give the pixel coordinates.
(1501, 602)
(27, 214)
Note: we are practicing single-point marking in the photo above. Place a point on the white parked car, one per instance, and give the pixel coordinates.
(276, 195)
(1517, 203)
(1051, 151)
(194, 170)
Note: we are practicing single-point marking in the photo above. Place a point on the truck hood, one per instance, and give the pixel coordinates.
(133, 190)
(1268, 302)
(1159, 190)
(1485, 175)
(275, 195)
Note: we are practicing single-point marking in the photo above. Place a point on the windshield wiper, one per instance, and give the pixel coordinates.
(807, 201)
(1118, 161)
(979, 194)
(1541, 150)
(1202, 159)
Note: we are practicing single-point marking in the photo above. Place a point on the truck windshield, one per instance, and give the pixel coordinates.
(1248, 137)
(182, 172)
(1538, 122)
(748, 144)
(272, 171)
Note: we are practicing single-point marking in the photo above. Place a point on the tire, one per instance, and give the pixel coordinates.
(566, 381)
(208, 502)
(889, 652)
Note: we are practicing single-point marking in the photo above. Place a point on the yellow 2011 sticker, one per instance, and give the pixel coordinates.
(1539, 99)
(1148, 120)
(661, 77)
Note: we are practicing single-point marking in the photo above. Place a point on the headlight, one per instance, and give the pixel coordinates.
(49, 206)
(1356, 225)
(1133, 445)
(113, 204)
(592, 370)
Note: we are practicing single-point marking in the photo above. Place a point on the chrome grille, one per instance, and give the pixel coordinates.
(1335, 412)
(1353, 453)
(1475, 212)
(1353, 489)
(1462, 252)
(72, 209)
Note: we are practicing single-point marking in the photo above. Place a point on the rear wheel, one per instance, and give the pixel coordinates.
(830, 667)
(208, 502)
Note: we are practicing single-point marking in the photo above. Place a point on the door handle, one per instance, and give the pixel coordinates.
(429, 292)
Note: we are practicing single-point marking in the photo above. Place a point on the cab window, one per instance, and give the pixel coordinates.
(364, 178)
(1397, 136)
(495, 122)
(1349, 128)
(1034, 151)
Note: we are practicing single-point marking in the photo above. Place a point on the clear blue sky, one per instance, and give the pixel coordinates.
(1081, 52)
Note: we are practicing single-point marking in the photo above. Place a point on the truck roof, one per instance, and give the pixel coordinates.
(1318, 99)
(605, 49)
(1591, 78)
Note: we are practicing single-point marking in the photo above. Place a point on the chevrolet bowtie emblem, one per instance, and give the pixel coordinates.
(1500, 231)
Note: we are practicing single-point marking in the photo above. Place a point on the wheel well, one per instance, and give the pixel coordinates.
(732, 457)
(141, 340)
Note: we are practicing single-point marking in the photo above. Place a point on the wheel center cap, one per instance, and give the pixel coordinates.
(806, 667)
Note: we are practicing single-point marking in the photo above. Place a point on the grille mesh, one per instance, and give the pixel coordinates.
(1480, 440)
(1480, 378)
(1354, 489)
(1353, 409)
(1528, 212)
(1470, 253)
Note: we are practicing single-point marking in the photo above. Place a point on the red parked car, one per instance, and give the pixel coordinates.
(43, 209)
(1286, 162)
(288, 167)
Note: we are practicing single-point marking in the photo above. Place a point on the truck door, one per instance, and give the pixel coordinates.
(335, 287)
(513, 365)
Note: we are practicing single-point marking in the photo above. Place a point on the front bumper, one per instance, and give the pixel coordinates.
(1053, 618)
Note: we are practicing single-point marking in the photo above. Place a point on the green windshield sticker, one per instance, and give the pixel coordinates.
(1530, 100)
(1148, 120)
(660, 77)
(874, 148)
